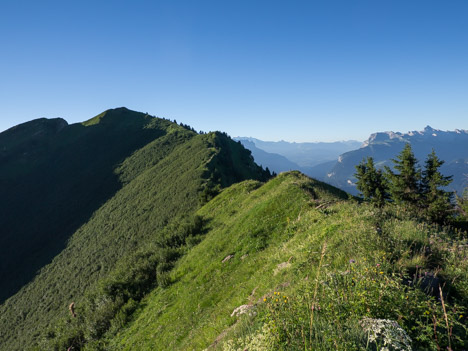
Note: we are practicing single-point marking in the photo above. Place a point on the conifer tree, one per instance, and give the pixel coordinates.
(371, 182)
(405, 185)
(462, 203)
(437, 202)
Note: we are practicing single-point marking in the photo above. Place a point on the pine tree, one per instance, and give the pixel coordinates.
(371, 182)
(462, 203)
(405, 185)
(437, 202)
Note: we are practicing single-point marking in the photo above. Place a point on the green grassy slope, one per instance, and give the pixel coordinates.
(170, 170)
(296, 243)
(249, 221)
(53, 176)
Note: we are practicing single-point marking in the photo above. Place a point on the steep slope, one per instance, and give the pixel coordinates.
(158, 172)
(248, 221)
(53, 176)
(451, 146)
(292, 246)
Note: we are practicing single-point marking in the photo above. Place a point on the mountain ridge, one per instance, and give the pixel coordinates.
(41, 172)
(427, 133)
(130, 175)
(273, 249)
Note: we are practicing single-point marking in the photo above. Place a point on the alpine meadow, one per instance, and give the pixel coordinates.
(131, 232)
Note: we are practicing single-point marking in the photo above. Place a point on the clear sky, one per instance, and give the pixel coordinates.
(294, 70)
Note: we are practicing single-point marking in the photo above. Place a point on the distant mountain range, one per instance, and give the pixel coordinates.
(335, 163)
(282, 156)
(450, 146)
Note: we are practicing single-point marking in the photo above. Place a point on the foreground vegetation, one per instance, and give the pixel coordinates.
(314, 271)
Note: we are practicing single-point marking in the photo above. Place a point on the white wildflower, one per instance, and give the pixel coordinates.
(262, 341)
(386, 332)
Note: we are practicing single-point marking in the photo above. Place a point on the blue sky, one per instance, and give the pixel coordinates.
(294, 70)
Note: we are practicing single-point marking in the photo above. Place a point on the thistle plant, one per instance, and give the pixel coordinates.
(386, 335)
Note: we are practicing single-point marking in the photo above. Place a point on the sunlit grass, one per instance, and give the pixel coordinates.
(276, 234)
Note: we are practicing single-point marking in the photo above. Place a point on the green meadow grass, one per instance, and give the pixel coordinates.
(294, 237)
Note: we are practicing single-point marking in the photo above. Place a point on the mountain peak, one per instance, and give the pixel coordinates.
(36, 129)
(119, 109)
(428, 128)
(381, 137)
(116, 115)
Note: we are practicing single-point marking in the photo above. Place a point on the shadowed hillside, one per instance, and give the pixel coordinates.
(53, 176)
